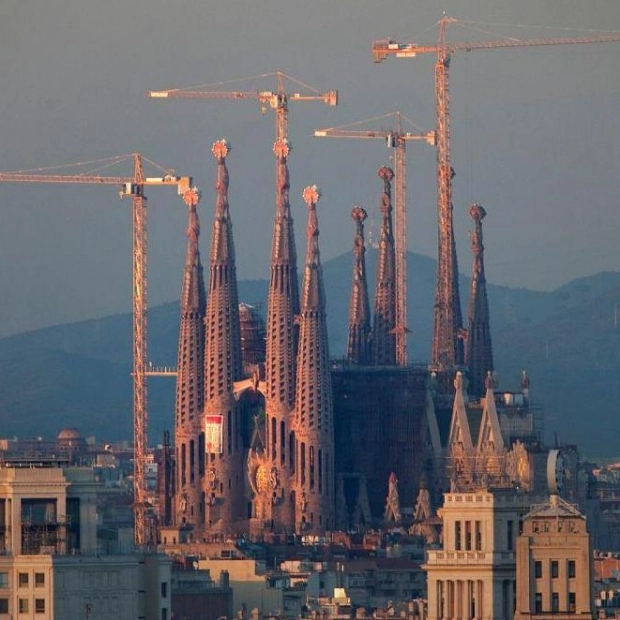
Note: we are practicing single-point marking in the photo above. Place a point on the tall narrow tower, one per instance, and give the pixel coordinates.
(188, 432)
(224, 482)
(358, 346)
(282, 310)
(479, 352)
(448, 321)
(383, 335)
(314, 422)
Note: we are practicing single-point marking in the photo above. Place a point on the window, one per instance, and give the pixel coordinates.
(164, 589)
(39, 605)
(554, 569)
(572, 602)
(571, 569)
(467, 535)
(509, 535)
(478, 531)
(555, 602)
(457, 535)
(538, 569)
(164, 613)
(23, 605)
(4, 580)
(39, 580)
(23, 580)
(4, 605)
(538, 603)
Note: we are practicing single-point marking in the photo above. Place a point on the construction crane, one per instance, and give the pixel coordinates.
(448, 323)
(277, 99)
(396, 138)
(129, 187)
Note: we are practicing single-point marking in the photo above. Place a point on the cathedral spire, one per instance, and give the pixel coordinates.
(189, 441)
(283, 303)
(383, 336)
(358, 347)
(281, 346)
(447, 348)
(459, 442)
(490, 435)
(479, 356)
(314, 424)
(223, 486)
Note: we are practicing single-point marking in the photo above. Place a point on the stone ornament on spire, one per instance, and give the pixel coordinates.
(220, 149)
(387, 174)
(191, 198)
(311, 195)
(359, 215)
(281, 148)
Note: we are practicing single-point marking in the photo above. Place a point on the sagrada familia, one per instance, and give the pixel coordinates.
(272, 436)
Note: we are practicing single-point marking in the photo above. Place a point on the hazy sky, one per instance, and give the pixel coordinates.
(536, 136)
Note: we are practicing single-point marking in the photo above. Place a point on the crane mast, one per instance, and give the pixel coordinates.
(134, 187)
(396, 138)
(140, 419)
(447, 346)
(400, 246)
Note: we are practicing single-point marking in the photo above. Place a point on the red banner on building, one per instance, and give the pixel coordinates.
(213, 434)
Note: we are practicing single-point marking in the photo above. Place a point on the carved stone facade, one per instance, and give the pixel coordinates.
(254, 447)
(286, 441)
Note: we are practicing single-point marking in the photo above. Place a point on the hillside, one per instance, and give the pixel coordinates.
(568, 340)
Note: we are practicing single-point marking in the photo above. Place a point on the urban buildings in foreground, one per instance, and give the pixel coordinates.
(51, 566)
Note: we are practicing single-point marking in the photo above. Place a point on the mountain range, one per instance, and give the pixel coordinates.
(568, 339)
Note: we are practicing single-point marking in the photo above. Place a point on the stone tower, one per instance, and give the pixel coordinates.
(223, 480)
(447, 349)
(383, 336)
(358, 345)
(313, 420)
(479, 351)
(554, 564)
(474, 574)
(188, 433)
(282, 308)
